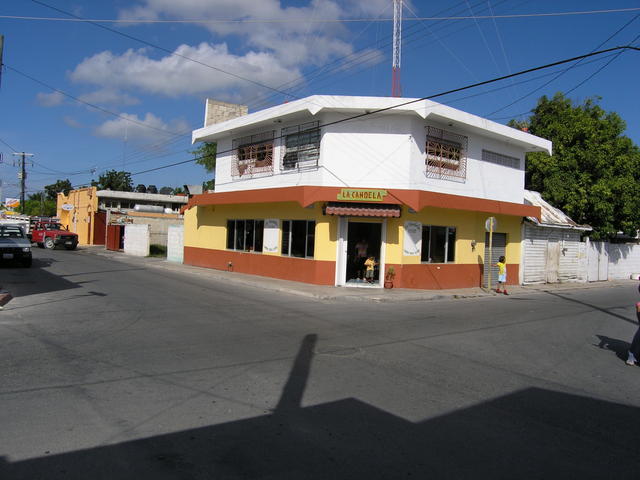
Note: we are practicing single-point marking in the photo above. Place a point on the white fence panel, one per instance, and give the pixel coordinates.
(582, 262)
(136, 240)
(175, 243)
(624, 260)
(598, 261)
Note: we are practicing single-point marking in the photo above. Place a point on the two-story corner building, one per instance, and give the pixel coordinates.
(307, 190)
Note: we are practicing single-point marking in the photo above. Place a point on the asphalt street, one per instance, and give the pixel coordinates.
(113, 370)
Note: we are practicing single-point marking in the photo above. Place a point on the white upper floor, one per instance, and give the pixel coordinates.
(347, 142)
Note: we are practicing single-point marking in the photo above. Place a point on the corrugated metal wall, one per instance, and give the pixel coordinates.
(544, 246)
(499, 245)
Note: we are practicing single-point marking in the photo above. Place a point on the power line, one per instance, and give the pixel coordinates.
(407, 40)
(319, 20)
(429, 97)
(166, 50)
(92, 105)
(12, 149)
(451, 102)
(567, 69)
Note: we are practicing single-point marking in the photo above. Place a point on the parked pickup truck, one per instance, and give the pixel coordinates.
(14, 245)
(52, 234)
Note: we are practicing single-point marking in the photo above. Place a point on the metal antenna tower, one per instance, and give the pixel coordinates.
(396, 90)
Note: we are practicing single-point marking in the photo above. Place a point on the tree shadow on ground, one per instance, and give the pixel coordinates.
(532, 433)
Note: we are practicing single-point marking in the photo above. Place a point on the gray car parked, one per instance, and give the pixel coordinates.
(14, 245)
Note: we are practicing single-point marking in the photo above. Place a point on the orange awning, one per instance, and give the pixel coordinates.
(362, 210)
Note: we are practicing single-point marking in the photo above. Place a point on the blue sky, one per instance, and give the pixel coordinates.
(149, 98)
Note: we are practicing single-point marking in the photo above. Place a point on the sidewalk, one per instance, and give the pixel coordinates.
(323, 292)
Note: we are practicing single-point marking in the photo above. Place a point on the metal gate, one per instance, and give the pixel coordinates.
(597, 261)
(115, 237)
(498, 249)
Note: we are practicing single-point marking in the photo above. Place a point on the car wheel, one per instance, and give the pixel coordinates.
(48, 243)
(26, 263)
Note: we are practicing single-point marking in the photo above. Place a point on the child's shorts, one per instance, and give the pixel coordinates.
(368, 274)
(502, 278)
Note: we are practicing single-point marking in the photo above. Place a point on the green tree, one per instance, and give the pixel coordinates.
(38, 204)
(114, 180)
(594, 172)
(55, 188)
(205, 155)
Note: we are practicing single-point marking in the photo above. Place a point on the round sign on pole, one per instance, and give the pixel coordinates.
(491, 224)
(67, 207)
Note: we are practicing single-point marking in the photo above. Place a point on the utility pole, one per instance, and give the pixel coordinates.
(22, 175)
(396, 89)
(1, 49)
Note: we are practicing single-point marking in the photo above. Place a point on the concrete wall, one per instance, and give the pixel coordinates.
(158, 227)
(175, 243)
(136, 240)
(624, 260)
(217, 111)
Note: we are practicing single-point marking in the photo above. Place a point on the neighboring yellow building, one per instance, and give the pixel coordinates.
(77, 211)
(87, 211)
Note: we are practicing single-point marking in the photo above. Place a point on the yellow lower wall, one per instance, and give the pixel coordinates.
(470, 226)
(205, 227)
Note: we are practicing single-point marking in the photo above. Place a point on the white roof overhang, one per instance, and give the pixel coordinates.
(310, 106)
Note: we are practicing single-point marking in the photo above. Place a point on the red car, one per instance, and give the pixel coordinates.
(52, 234)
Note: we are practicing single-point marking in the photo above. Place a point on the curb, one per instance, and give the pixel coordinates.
(341, 293)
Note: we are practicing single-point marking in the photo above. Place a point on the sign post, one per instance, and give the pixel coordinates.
(490, 226)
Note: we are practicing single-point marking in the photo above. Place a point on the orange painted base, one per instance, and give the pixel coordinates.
(286, 268)
(421, 276)
(444, 276)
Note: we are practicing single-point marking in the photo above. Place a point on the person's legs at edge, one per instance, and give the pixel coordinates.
(634, 349)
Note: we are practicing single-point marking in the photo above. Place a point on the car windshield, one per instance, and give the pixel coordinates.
(54, 226)
(11, 231)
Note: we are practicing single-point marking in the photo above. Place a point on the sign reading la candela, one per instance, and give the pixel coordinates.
(362, 194)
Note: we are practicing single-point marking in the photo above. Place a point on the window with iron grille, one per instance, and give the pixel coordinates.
(301, 146)
(500, 159)
(438, 244)
(298, 238)
(245, 235)
(446, 155)
(253, 154)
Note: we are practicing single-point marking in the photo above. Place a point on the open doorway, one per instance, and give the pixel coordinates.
(364, 240)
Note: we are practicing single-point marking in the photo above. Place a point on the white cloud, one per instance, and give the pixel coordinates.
(109, 96)
(52, 99)
(174, 75)
(130, 128)
(295, 40)
(72, 122)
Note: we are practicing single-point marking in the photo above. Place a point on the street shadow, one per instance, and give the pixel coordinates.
(595, 307)
(619, 347)
(22, 282)
(533, 433)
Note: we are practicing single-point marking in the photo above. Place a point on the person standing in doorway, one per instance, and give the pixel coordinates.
(502, 275)
(634, 349)
(370, 263)
(362, 247)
